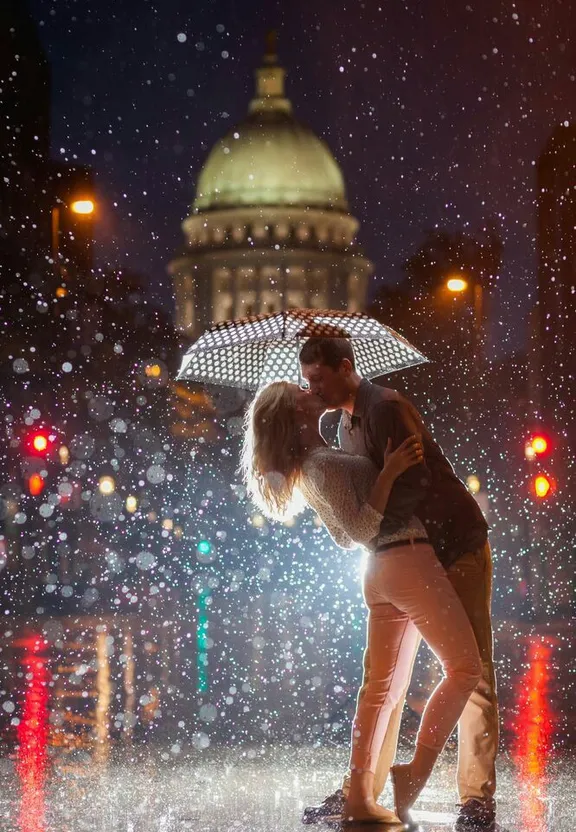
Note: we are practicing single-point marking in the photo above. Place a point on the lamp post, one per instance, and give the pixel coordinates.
(81, 207)
(459, 285)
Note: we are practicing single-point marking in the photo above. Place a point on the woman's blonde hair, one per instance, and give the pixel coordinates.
(271, 456)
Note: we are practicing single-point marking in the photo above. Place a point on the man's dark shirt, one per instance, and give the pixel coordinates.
(430, 490)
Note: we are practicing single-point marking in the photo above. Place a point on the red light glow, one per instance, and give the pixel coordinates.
(543, 486)
(540, 444)
(35, 485)
(534, 728)
(32, 737)
(40, 442)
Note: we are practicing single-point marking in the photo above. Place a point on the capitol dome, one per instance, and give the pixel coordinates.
(269, 159)
(269, 228)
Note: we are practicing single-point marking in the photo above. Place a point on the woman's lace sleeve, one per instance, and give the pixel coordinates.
(338, 505)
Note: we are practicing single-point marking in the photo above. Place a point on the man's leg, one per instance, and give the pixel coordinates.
(471, 577)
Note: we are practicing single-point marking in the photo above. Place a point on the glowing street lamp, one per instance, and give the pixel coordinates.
(456, 285)
(82, 206)
(106, 485)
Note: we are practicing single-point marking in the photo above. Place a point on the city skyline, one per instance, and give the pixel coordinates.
(419, 144)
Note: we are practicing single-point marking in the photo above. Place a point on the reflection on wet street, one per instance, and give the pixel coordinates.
(32, 732)
(128, 786)
(532, 743)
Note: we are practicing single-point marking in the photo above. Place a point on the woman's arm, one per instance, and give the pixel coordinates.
(333, 496)
(409, 453)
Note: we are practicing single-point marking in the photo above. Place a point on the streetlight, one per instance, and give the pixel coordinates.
(80, 207)
(106, 485)
(457, 284)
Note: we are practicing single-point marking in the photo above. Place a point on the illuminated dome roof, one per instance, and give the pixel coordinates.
(269, 158)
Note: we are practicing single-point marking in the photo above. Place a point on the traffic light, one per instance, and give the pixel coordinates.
(537, 446)
(40, 442)
(38, 445)
(35, 484)
(204, 547)
(537, 450)
(543, 486)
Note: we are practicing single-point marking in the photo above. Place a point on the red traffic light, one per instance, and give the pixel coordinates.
(537, 446)
(35, 484)
(40, 442)
(540, 444)
(542, 486)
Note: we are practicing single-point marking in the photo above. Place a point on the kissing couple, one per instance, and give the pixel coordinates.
(389, 488)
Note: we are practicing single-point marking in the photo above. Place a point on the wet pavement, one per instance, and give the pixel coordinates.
(68, 769)
(249, 790)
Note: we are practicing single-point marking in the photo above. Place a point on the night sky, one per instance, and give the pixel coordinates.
(436, 112)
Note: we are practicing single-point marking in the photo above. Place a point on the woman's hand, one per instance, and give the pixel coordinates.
(409, 453)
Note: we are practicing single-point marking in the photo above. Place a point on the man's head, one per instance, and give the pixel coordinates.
(329, 368)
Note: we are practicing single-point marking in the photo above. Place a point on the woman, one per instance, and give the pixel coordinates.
(286, 463)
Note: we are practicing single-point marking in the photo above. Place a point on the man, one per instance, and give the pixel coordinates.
(456, 527)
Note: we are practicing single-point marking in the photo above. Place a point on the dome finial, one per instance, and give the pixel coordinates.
(270, 80)
(271, 53)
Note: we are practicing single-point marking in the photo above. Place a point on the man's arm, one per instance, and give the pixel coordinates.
(394, 420)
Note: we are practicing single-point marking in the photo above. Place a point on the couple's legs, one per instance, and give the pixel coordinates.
(471, 577)
(408, 593)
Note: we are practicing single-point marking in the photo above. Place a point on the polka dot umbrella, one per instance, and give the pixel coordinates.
(251, 352)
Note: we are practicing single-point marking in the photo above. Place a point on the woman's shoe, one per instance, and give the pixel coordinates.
(405, 792)
(367, 812)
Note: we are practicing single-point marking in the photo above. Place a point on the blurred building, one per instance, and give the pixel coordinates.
(556, 328)
(270, 226)
(36, 192)
(554, 362)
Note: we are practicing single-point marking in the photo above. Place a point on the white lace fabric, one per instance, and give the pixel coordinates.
(337, 485)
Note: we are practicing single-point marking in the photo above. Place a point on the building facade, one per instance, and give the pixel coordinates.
(556, 318)
(270, 227)
(35, 190)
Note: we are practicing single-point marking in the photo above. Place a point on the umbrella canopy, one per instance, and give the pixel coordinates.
(251, 352)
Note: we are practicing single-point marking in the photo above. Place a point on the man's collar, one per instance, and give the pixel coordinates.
(360, 402)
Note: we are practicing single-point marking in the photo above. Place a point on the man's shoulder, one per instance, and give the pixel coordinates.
(386, 405)
(384, 397)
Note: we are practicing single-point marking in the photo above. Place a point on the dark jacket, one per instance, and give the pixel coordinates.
(430, 490)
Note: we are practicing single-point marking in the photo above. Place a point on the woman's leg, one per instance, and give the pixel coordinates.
(391, 640)
(418, 585)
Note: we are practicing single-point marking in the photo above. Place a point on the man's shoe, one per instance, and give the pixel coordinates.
(329, 810)
(476, 816)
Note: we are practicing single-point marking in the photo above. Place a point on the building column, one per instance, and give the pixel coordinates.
(283, 288)
(258, 282)
(203, 307)
(235, 291)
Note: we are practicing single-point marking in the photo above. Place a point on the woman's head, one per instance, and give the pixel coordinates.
(273, 450)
